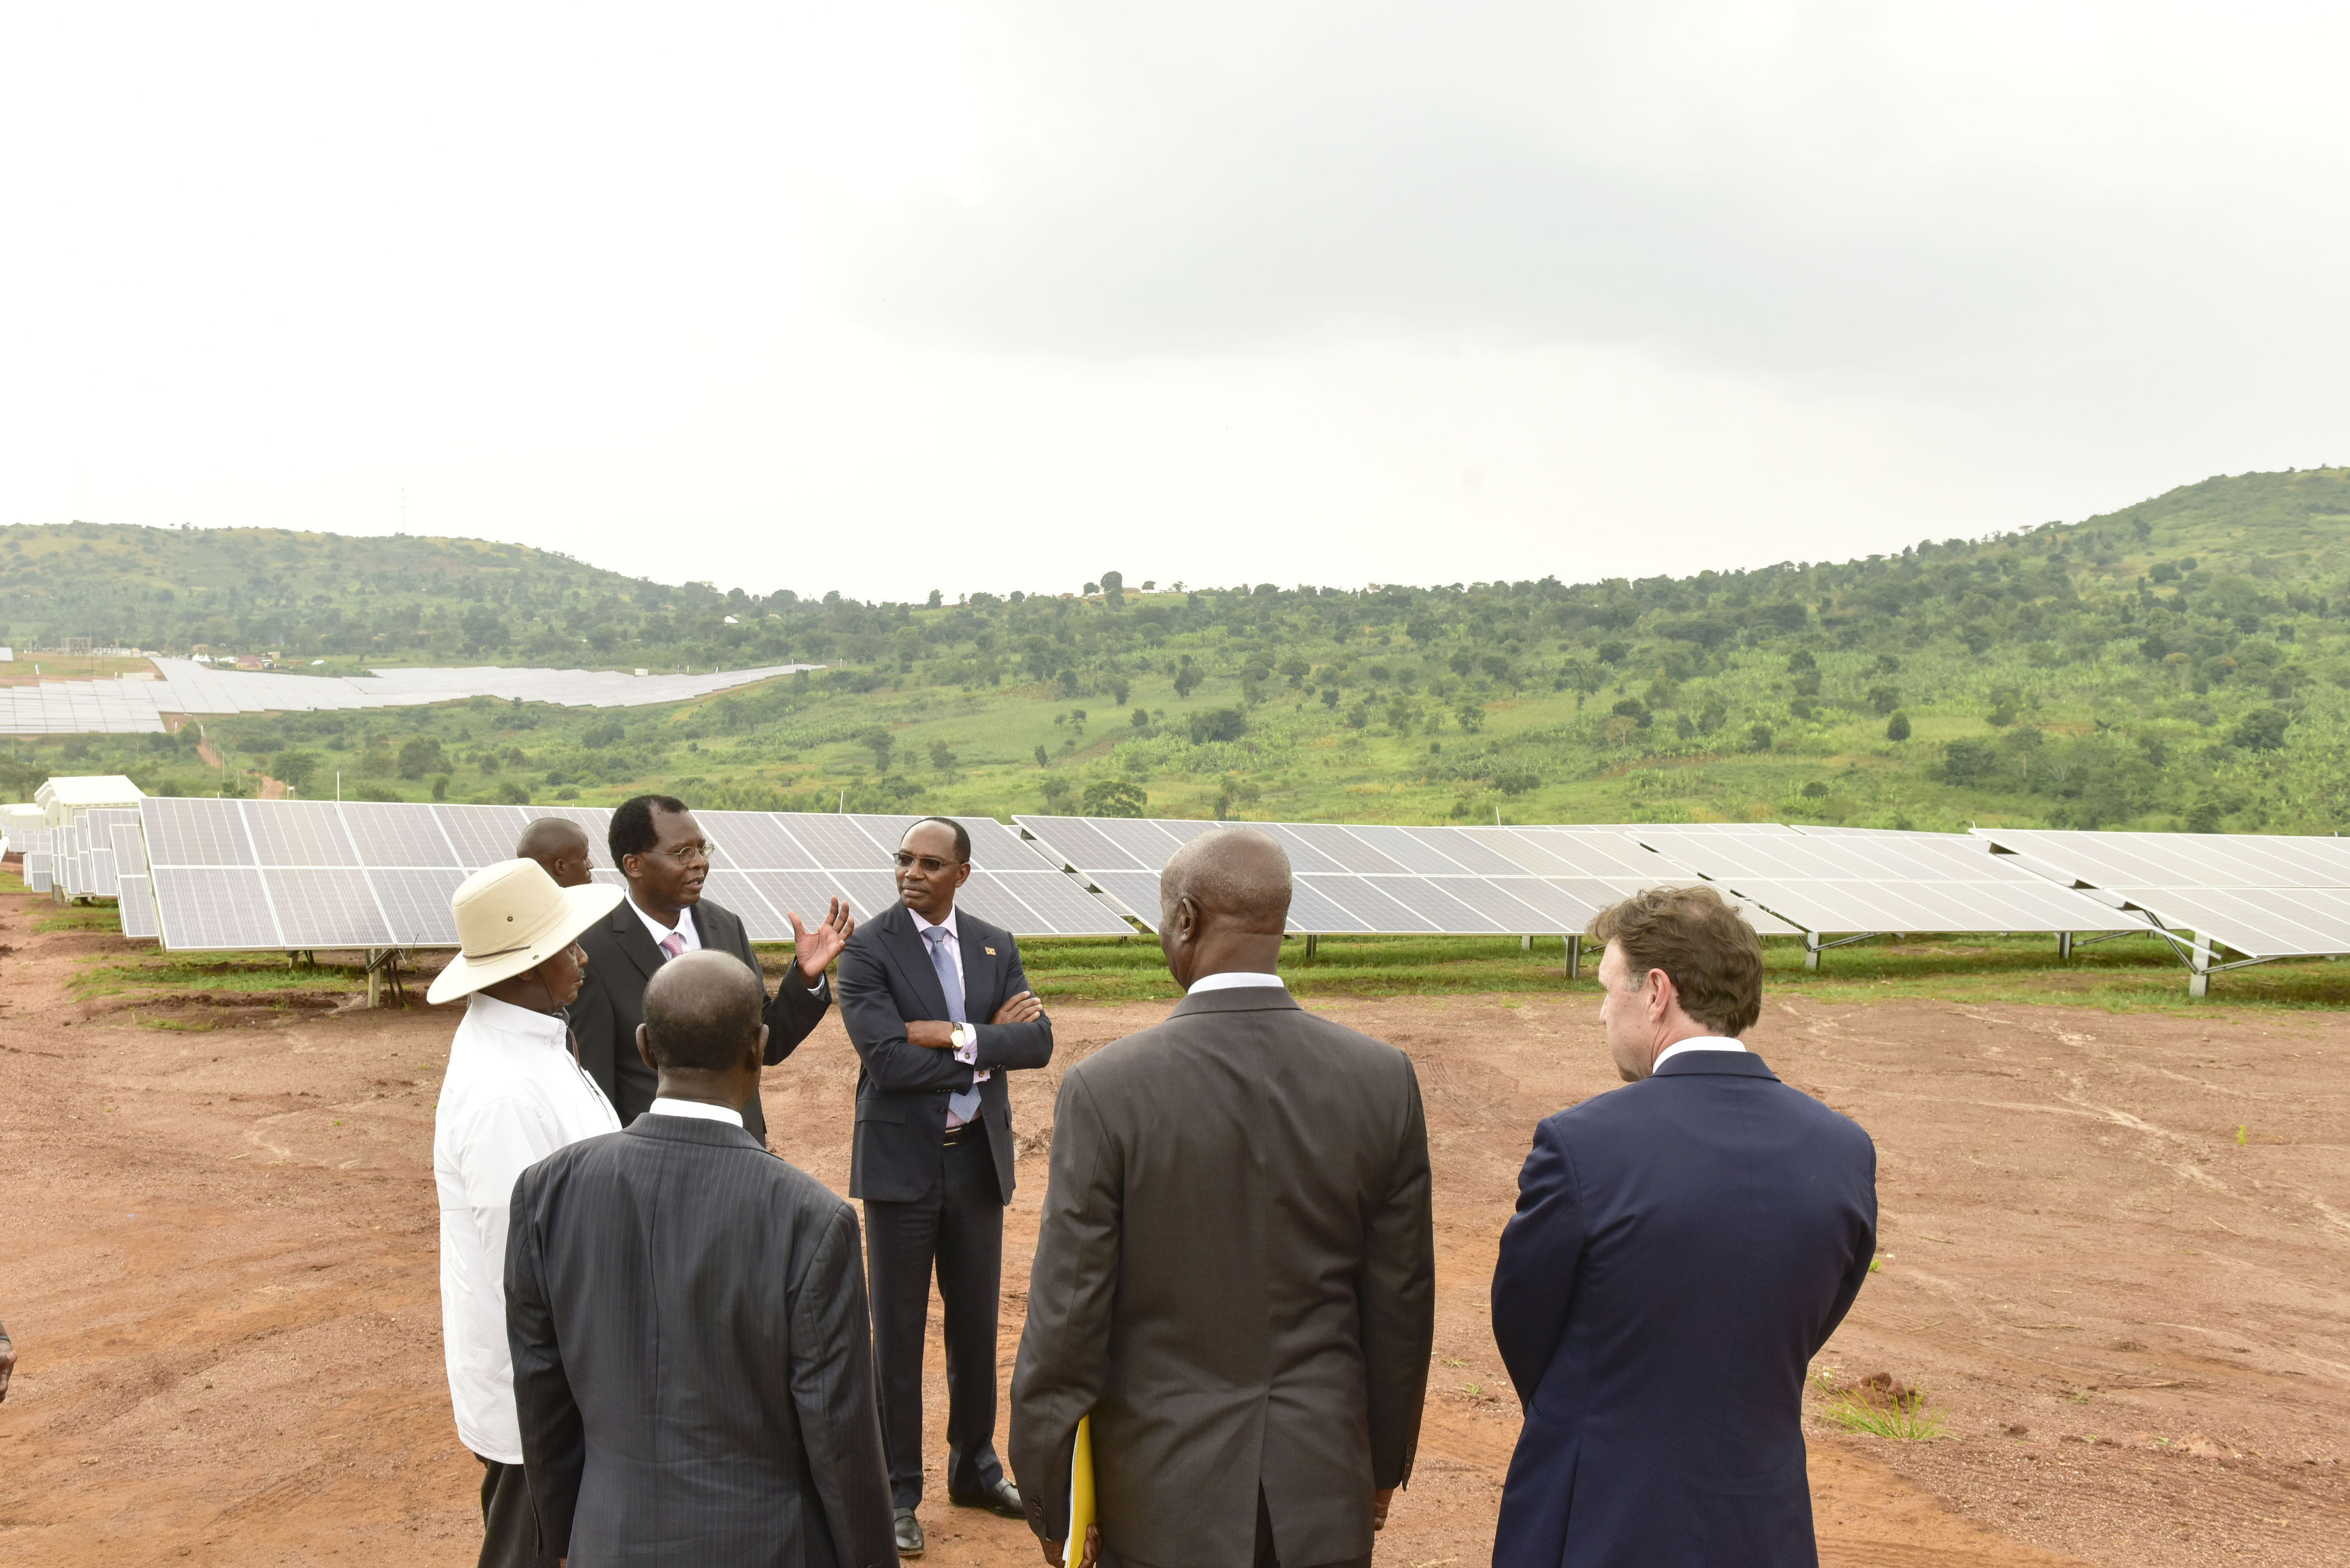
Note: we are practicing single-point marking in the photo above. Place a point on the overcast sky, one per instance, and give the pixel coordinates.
(888, 296)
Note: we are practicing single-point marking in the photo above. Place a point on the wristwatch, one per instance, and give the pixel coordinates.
(964, 1036)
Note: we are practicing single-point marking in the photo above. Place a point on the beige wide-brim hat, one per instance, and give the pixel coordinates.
(511, 918)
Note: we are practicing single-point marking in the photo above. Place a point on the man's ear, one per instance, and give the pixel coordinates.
(758, 1056)
(645, 1048)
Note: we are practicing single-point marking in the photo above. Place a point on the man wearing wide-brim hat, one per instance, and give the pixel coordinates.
(513, 1095)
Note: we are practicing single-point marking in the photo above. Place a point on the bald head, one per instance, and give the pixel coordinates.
(703, 1013)
(561, 846)
(1237, 876)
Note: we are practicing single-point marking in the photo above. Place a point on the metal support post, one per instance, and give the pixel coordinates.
(374, 981)
(2064, 945)
(1313, 944)
(1525, 944)
(2199, 976)
(1574, 956)
(1811, 950)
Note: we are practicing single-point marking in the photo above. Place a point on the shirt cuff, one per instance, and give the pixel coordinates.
(968, 1054)
(817, 989)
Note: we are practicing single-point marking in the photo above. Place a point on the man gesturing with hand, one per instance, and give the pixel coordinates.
(935, 1002)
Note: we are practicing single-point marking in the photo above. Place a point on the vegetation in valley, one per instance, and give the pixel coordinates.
(2181, 663)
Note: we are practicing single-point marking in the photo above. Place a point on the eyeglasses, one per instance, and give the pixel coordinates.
(687, 854)
(931, 864)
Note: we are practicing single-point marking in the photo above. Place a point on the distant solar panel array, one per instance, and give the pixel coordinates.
(230, 875)
(134, 706)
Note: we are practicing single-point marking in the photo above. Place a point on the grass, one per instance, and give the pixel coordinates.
(1879, 1405)
(200, 972)
(2135, 974)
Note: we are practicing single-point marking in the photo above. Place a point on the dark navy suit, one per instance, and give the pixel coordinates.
(931, 1205)
(1682, 1248)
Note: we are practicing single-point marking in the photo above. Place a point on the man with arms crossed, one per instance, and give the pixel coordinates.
(1235, 1270)
(933, 1154)
(1682, 1249)
(659, 847)
(512, 1097)
(688, 1321)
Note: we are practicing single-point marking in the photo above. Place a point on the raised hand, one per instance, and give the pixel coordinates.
(1022, 1008)
(817, 948)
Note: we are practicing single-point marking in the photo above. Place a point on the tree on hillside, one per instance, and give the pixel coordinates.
(1115, 797)
(880, 742)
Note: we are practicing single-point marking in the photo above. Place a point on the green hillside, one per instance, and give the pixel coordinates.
(2180, 662)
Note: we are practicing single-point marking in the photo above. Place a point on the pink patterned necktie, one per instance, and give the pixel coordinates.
(673, 943)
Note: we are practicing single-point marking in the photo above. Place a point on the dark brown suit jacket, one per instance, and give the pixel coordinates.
(1235, 1276)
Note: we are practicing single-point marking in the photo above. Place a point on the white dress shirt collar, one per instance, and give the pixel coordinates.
(703, 1110)
(684, 927)
(1701, 1042)
(526, 1022)
(1233, 980)
(921, 925)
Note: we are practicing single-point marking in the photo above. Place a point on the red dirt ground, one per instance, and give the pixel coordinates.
(220, 1273)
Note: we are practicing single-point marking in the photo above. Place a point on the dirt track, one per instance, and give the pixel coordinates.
(220, 1273)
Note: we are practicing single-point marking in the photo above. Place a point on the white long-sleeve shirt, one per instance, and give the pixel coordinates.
(512, 1097)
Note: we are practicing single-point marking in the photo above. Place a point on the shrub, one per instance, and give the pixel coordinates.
(2262, 730)
(1116, 798)
(1897, 728)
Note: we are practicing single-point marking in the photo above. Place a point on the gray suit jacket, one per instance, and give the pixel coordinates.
(1235, 1276)
(691, 1366)
(621, 958)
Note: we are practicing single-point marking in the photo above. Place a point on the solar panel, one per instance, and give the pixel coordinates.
(2265, 895)
(1086, 846)
(225, 909)
(734, 890)
(1851, 883)
(301, 833)
(481, 835)
(415, 903)
(384, 833)
(326, 909)
(135, 904)
(194, 833)
(754, 839)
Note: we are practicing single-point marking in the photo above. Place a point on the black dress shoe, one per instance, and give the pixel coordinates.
(909, 1533)
(1003, 1500)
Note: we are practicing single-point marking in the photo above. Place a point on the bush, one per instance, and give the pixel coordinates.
(418, 756)
(1897, 728)
(1758, 737)
(1218, 724)
(2262, 730)
(1116, 798)
(1969, 762)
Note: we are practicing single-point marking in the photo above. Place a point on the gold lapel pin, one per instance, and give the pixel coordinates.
(991, 952)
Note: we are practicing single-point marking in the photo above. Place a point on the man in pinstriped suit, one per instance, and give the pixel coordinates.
(687, 1313)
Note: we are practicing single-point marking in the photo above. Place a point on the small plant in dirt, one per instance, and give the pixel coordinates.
(1880, 1404)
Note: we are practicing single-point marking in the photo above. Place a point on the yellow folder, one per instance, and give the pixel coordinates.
(1081, 1494)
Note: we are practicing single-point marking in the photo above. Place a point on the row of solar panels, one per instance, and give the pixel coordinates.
(323, 874)
(303, 874)
(123, 706)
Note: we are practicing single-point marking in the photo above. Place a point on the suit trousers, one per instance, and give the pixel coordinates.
(509, 1523)
(958, 1228)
